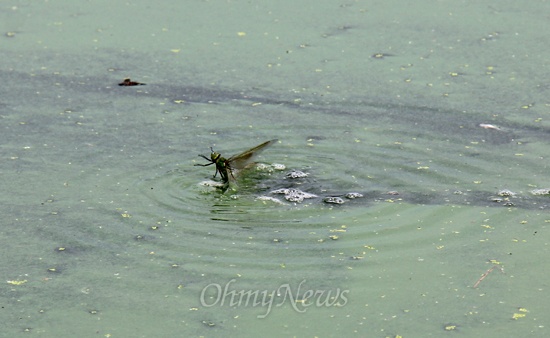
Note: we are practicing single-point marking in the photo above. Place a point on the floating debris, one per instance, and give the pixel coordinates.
(380, 55)
(506, 192)
(490, 37)
(127, 82)
(393, 193)
(352, 195)
(522, 312)
(294, 195)
(333, 200)
(450, 327)
(16, 282)
(296, 174)
(489, 126)
(487, 273)
(208, 323)
(540, 192)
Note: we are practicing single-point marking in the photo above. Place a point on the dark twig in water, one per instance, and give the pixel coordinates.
(127, 82)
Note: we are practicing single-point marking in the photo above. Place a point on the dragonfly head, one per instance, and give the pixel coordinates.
(214, 155)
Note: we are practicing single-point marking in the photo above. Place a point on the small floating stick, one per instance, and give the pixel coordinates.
(486, 274)
(127, 82)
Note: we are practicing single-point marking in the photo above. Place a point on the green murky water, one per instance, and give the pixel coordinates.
(108, 232)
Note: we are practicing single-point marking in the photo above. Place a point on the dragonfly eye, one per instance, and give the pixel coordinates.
(214, 156)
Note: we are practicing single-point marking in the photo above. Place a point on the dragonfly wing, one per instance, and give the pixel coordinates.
(240, 161)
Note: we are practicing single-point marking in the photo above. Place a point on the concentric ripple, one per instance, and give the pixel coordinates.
(236, 232)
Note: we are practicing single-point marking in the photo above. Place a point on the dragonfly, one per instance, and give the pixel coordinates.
(225, 166)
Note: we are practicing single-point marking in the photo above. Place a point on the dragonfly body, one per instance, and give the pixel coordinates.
(226, 166)
(222, 164)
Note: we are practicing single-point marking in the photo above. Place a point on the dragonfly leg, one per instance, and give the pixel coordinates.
(205, 165)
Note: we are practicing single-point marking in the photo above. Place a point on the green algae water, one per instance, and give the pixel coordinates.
(436, 116)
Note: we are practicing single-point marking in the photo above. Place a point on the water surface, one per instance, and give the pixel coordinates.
(108, 231)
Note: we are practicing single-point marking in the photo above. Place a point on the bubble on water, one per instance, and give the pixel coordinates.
(506, 192)
(540, 192)
(210, 183)
(352, 195)
(296, 174)
(294, 195)
(269, 199)
(264, 167)
(278, 166)
(333, 200)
